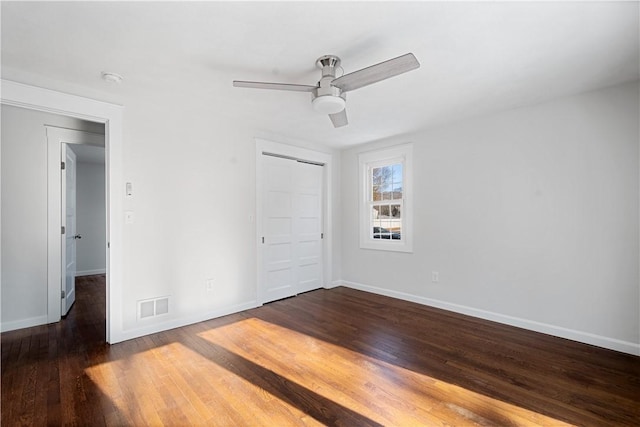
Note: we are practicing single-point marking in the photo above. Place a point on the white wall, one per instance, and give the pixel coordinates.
(24, 213)
(530, 217)
(91, 218)
(200, 174)
(192, 170)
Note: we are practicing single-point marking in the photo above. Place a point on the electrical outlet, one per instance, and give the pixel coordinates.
(435, 277)
(209, 285)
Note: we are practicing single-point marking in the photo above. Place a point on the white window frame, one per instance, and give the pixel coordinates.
(366, 162)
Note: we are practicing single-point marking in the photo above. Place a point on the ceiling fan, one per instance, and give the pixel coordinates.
(329, 95)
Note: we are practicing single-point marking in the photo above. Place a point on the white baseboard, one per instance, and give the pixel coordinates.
(90, 272)
(119, 336)
(23, 323)
(333, 284)
(545, 328)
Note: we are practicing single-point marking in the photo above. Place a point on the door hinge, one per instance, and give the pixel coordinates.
(262, 239)
(63, 294)
(322, 235)
(62, 165)
(63, 230)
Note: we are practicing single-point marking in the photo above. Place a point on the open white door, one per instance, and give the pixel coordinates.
(69, 241)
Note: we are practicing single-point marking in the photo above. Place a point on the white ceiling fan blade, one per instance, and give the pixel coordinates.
(274, 86)
(376, 73)
(339, 119)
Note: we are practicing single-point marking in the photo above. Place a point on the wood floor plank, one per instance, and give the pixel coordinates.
(329, 357)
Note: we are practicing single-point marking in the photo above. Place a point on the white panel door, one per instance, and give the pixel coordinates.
(69, 215)
(308, 226)
(292, 227)
(278, 278)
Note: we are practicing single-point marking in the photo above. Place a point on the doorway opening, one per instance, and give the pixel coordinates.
(84, 240)
(77, 189)
(48, 246)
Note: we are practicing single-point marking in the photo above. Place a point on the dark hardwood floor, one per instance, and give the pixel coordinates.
(327, 357)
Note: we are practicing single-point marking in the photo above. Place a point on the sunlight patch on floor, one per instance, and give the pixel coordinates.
(383, 392)
(253, 372)
(148, 386)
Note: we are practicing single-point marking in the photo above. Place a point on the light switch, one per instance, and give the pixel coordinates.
(129, 189)
(128, 217)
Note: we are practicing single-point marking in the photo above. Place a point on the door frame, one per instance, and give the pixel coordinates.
(56, 137)
(295, 152)
(50, 101)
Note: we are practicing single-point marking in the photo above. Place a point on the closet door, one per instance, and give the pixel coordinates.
(308, 227)
(292, 227)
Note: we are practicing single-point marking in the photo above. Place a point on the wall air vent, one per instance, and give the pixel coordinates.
(153, 307)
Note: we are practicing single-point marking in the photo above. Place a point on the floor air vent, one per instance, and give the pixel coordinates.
(153, 307)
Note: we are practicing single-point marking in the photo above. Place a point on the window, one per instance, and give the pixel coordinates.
(385, 205)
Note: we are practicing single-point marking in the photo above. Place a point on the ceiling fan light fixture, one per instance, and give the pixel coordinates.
(328, 104)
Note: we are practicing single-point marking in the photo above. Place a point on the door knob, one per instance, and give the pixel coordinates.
(77, 236)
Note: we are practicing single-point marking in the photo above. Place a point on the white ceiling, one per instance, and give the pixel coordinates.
(476, 58)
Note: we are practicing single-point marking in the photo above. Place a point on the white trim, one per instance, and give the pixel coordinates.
(532, 325)
(73, 136)
(90, 272)
(333, 284)
(396, 154)
(39, 99)
(300, 153)
(51, 101)
(23, 323)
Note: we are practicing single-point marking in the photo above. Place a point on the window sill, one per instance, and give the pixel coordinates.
(387, 246)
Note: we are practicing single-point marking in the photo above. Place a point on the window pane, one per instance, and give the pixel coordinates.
(376, 176)
(397, 181)
(397, 191)
(397, 232)
(382, 185)
(396, 222)
(387, 182)
(386, 175)
(375, 213)
(386, 192)
(397, 172)
(376, 184)
(395, 211)
(376, 222)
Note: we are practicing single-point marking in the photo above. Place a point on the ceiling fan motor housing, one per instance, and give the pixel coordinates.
(325, 98)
